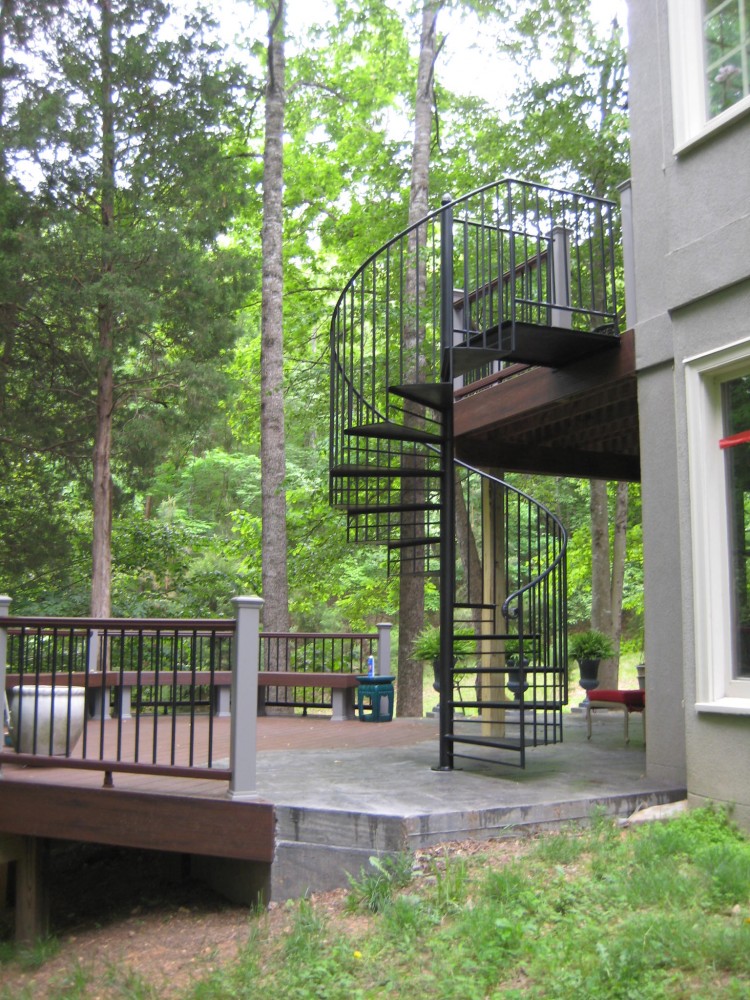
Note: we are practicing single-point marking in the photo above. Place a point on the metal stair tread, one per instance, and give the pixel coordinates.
(356, 510)
(395, 432)
(491, 742)
(384, 471)
(436, 395)
(466, 359)
(403, 543)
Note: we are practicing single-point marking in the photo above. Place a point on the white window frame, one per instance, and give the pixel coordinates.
(717, 690)
(690, 117)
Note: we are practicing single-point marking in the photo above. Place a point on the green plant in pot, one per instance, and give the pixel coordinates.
(589, 648)
(513, 661)
(427, 647)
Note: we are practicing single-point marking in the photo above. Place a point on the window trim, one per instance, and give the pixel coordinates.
(717, 690)
(690, 119)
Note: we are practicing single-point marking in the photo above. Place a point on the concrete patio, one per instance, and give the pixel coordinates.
(344, 791)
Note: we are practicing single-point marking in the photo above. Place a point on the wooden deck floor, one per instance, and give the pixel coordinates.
(190, 815)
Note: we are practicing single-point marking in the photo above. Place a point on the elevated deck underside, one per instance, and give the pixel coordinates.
(580, 420)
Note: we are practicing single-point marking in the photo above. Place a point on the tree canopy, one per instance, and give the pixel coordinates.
(131, 200)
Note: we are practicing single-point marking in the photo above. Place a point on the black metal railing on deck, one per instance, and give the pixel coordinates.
(119, 694)
(145, 695)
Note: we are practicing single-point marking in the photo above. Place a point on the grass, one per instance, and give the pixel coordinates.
(657, 912)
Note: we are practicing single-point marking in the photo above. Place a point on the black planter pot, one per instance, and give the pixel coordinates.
(589, 674)
(514, 682)
(436, 672)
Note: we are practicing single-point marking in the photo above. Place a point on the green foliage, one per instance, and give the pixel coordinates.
(375, 887)
(590, 645)
(427, 643)
(186, 246)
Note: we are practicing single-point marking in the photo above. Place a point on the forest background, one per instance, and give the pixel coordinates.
(132, 141)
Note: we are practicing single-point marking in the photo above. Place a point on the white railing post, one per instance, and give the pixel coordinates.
(243, 731)
(562, 318)
(4, 609)
(384, 649)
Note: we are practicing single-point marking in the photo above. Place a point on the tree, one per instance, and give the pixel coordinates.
(272, 436)
(411, 588)
(127, 294)
(571, 128)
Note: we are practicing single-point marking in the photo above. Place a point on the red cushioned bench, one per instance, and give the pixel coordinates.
(627, 701)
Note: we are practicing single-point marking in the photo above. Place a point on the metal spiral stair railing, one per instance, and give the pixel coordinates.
(511, 272)
(511, 597)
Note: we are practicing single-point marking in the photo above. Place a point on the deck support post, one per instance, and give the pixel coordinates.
(447, 496)
(32, 896)
(243, 726)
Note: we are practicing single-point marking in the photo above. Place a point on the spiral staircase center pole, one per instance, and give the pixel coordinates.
(447, 497)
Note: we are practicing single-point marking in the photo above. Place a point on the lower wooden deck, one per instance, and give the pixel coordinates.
(159, 812)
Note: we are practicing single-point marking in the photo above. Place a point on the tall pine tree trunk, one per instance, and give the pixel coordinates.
(101, 568)
(272, 447)
(411, 581)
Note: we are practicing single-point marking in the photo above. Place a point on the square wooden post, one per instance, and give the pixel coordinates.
(32, 891)
(384, 649)
(243, 725)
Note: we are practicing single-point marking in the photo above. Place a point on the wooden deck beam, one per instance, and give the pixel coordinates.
(188, 824)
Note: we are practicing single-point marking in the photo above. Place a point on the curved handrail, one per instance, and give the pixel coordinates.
(563, 536)
(509, 251)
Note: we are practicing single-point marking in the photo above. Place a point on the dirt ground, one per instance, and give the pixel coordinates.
(116, 910)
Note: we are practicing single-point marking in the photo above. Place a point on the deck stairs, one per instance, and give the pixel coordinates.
(512, 272)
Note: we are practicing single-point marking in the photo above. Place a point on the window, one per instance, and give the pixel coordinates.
(710, 54)
(725, 47)
(718, 418)
(736, 447)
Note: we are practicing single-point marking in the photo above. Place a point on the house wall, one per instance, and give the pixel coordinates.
(691, 222)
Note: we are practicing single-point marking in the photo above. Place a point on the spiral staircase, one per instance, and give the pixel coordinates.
(513, 272)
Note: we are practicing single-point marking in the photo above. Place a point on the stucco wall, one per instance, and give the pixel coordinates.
(691, 220)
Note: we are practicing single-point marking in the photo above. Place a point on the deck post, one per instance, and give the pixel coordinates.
(384, 648)
(243, 726)
(562, 318)
(32, 891)
(628, 253)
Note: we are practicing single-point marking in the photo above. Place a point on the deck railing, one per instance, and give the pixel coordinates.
(149, 694)
(314, 652)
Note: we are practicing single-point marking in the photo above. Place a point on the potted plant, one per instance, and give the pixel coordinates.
(427, 647)
(513, 661)
(589, 648)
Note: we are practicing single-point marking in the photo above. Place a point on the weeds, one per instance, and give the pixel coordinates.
(29, 957)
(374, 888)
